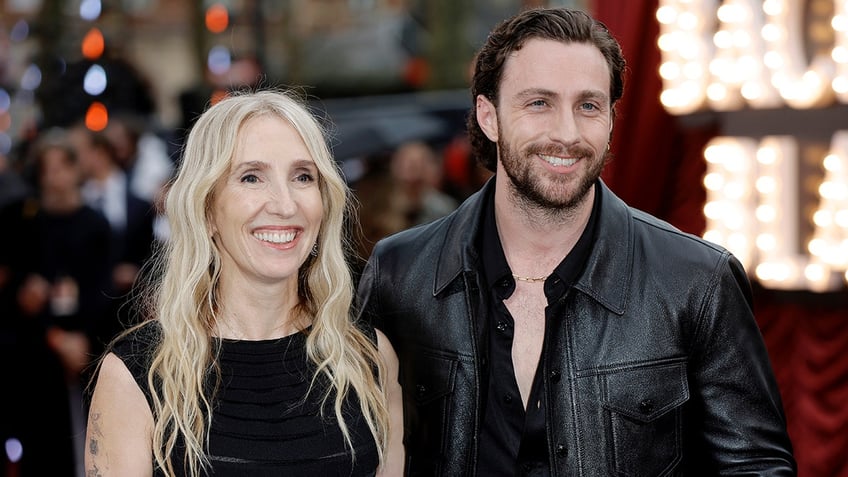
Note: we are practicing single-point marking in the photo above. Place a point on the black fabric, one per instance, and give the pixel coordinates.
(513, 440)
(262, 425)
(657, 369)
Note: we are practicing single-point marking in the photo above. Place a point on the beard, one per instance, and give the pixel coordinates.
(549, 193)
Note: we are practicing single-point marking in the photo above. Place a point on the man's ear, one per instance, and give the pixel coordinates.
(487, 117)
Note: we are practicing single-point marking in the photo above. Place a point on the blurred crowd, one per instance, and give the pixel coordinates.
(79, 219)
(79, 214)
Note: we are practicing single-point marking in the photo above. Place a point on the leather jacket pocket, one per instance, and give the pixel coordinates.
(432, 379)
(645, 410)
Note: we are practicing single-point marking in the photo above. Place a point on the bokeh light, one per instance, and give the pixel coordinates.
(93, 44)
(97, 116)
(90, 9)
(217, 18)
(19, 32)
(219, 60)
(95, 81)
(14, 449)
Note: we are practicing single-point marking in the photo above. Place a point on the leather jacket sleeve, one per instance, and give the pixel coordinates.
(744, 427)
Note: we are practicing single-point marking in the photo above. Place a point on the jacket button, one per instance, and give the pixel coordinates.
(501, 326)
(420, 389)
(646, 406)
(555, 376)
(561, 450)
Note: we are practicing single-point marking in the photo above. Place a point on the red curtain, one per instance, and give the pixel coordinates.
(658, 167)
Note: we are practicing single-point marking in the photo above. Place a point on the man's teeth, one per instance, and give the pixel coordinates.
(275, 237)
(558, 161)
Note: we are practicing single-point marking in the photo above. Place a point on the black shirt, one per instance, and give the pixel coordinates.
(514, 442)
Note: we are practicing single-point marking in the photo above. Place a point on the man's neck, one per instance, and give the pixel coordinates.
(536, 240)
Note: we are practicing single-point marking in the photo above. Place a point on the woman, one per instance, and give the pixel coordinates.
(57, 252)
(251, 364)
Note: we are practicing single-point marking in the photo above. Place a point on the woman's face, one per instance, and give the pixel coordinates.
(267, 209)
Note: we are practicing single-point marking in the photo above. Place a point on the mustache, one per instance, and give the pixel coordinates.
(554, 150)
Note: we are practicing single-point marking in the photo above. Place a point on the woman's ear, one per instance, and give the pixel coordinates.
(211, 227)
(487, 117)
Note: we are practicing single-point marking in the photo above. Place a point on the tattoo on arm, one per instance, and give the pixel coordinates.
(93, 447)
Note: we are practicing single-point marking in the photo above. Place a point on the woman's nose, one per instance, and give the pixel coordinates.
(281, 201)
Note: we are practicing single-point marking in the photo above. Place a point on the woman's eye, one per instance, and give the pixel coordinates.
(249, 178)
(305, 177)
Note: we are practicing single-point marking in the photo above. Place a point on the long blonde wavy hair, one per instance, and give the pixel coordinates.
(184, 279)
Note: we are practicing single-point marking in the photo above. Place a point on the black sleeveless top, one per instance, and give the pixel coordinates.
(261, 424)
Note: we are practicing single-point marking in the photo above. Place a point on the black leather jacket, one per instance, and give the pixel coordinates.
(658, 368)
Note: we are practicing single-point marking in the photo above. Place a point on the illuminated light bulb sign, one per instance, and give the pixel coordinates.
(788, 226)
(726, 55)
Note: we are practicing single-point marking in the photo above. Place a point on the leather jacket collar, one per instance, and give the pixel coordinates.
(609, 268)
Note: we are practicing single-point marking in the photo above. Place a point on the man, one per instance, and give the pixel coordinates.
(131, 219)
(545, 327)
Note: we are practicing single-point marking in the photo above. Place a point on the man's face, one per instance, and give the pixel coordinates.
(552, 123)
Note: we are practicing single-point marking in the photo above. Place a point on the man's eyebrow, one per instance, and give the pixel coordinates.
(533, 92)
(546, 93)
(594, 94)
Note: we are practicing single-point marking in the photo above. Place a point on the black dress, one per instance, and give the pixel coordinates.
(262, 425)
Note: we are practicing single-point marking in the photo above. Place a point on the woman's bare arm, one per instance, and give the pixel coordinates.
(118, 437)
(395, 455)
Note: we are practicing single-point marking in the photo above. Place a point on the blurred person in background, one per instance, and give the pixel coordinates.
(141, 153)
(377, 215)
(417, 173)
(546, 327)
(57, 250)
(400, 189)
(131, 219)
(250, 362)
(145, 159)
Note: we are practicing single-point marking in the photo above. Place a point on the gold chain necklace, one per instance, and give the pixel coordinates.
(531, 279)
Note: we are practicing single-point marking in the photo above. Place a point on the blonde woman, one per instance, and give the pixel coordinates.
(251, 363)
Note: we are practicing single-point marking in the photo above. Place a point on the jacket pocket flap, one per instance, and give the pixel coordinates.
(434, 377)
(648, 392)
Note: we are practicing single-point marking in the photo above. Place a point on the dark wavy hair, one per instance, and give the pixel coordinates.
(560, 24)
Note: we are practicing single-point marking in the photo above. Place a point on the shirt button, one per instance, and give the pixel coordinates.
(501, 326)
